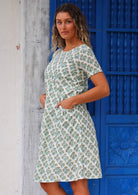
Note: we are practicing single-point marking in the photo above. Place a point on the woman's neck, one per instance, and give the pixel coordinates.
(70, 44)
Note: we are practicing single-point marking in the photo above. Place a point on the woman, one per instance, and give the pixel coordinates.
(68, 148)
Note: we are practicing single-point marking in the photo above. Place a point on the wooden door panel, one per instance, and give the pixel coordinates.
(113, 27)
(119, 113)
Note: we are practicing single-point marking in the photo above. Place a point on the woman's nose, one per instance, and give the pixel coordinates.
(63, 25)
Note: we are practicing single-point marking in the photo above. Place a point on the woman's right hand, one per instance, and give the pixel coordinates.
(43, 99)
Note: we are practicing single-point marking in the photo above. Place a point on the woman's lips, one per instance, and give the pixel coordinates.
(64, 32)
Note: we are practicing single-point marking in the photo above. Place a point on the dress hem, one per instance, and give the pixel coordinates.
(44, 181)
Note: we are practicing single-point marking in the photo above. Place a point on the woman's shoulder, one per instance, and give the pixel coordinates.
(86, 50)
(57, 52)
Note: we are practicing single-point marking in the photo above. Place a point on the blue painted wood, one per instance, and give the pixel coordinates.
(91, 14)
(121, 170)
(122, 30)
(120, 185)
(52, 13)
(121, 118)
(120, 146)
(113, 27)
(123, 14)
(122, 73)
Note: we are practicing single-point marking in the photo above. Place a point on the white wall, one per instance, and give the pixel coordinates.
(21, 83)
(35, 57)
(10, 98)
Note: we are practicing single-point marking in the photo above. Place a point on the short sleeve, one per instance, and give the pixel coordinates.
(56, 52)
(88, 62)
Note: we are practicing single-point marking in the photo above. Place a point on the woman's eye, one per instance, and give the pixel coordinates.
(68, 21)
(58, 22)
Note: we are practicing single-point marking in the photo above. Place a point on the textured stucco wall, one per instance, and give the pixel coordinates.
(35, 55)
(10, 98)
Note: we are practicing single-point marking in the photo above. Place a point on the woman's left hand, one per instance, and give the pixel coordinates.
(67, 103)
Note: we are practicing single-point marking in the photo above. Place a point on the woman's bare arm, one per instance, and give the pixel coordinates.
(43, 99)
(100, 90)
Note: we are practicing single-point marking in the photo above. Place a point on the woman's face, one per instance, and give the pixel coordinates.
(65, 26)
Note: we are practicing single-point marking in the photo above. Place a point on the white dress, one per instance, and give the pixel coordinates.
(68, 148)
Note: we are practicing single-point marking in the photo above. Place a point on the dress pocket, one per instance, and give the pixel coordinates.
(65, 109)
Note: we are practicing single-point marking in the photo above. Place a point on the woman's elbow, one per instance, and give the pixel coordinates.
(107, 90)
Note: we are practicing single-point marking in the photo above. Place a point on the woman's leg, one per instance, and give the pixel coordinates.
(80, 187)
(53, 188)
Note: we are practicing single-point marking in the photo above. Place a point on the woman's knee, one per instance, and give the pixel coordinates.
(72, 183)
(45, 186)
(81, 184)
(48, 186)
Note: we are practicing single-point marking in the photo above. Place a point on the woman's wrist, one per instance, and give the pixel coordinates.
(74, 100)
(80, 98)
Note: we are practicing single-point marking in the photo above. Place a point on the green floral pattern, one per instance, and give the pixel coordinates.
(68, 148)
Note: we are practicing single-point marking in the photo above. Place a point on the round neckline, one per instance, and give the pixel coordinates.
(73, 48)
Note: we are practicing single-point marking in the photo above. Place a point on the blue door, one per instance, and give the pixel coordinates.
(113, 27)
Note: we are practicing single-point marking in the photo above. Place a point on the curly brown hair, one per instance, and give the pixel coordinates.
(80, 24)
